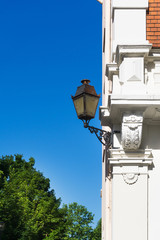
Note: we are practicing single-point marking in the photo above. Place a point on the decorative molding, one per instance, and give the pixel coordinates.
(119, 157)
(132, 69)
(132, 51)
(104, 116)
(130, 178)
(111, 69)
(132, 131)
(130, 165)
(103, 112)
(135, 4)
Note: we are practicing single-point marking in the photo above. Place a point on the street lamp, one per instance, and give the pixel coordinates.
(86, 102)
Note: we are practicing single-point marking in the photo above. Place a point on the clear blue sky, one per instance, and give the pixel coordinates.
(46, 48)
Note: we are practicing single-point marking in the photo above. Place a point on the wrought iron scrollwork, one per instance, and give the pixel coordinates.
(103, 136)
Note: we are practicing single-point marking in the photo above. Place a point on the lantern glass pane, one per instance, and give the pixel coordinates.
(91, 105)
(79, 105)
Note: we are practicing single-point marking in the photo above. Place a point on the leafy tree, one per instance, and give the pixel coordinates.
(97, 231)
(79, 221)
(29, 209)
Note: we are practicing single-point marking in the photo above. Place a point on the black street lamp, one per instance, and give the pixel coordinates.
(86, 102)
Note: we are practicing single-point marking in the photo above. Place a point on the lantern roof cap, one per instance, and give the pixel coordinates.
(86, 88)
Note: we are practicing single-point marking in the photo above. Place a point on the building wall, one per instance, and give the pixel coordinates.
(131, 105)
(151, 139)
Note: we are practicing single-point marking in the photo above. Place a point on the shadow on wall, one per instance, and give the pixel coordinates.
(150, 137)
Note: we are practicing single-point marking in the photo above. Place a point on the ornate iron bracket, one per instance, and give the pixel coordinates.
(103, 136)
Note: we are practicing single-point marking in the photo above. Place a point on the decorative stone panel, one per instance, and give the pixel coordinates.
(132, 131)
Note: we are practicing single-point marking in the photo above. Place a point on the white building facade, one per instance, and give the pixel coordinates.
(131, 109)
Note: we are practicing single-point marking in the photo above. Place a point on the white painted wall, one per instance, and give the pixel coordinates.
(129, 209)
(125, 27)
(154, 195)
(130, 85)
(151, 139)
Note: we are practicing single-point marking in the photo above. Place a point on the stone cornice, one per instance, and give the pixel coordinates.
(134, 4)
(139, 157)
(111, 69)
(132, 51)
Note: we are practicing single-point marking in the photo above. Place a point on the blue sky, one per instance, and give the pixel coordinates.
(46, 49)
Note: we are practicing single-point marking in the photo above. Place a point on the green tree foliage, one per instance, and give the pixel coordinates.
(97, 231)
(79, 221)
(29, 209)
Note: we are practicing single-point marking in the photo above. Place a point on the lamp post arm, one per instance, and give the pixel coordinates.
(103, 136)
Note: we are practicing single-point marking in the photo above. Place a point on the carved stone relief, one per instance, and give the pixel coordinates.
(130, 178)
(132, 131)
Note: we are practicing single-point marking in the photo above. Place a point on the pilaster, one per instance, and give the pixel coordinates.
(125, 29)
(130, 193)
